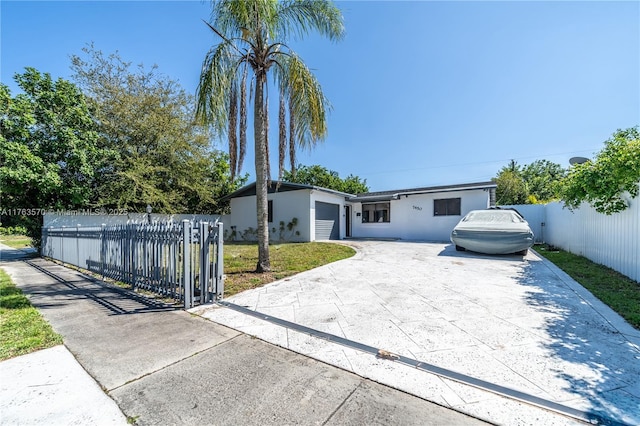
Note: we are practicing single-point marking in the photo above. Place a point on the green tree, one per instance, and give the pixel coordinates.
(529, 184)
(154, 153)
(512, 188)
(353, 185)
(317, 175)
(254, 40)
(48, 149)
(604, 181)
(542, 178)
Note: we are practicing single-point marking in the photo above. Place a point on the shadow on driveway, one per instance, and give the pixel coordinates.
(451, 251)
(596, 355)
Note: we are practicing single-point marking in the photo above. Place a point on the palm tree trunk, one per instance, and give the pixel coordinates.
(262, 174)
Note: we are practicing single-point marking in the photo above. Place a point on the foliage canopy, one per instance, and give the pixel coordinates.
(317, 175)
(609, 181)
(154, 154)
(49, 151)
(530, 184)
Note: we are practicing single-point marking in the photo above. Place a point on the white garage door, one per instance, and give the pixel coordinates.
(327, 221)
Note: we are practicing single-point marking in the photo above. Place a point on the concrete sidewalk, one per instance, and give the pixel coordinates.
(167, 366)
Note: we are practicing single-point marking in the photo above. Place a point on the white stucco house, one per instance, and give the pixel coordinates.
(308, 213)
(296, 213)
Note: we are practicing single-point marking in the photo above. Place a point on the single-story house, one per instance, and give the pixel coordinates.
(300, 212)
(296, 213)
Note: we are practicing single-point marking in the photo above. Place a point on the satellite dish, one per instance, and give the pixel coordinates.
(577, 160)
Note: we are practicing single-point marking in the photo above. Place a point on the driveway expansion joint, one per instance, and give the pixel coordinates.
(584, 416)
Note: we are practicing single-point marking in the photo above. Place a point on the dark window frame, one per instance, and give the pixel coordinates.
(382, 213)
(447, 207)
(270, 211)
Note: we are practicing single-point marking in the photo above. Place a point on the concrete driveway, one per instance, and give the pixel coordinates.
(505, 339)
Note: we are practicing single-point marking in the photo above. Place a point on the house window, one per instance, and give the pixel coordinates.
(376, 213)
(446, 207)
(270, 211)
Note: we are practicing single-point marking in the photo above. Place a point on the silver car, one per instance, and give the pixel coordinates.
(493, 231)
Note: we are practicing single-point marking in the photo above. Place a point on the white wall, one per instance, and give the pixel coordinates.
(611, 240)
(286, 206)
(412, 217)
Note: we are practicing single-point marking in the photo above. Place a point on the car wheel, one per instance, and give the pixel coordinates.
(458, 248)
(523, 252)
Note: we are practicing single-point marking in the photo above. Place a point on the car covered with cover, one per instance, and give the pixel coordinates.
(493, 231)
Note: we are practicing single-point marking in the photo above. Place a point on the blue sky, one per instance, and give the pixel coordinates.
(423, 93)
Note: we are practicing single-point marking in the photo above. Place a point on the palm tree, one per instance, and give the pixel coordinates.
(253, 34)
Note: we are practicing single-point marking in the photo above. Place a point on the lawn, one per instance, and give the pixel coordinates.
(15, 241)
(286, 259)
(619, 292)
(22, 328)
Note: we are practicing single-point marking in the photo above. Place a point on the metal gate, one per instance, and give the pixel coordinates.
(183, 261)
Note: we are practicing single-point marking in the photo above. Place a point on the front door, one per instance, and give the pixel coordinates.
(347, 213)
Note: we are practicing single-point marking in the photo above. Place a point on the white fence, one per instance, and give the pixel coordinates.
(610, 240)
(182, 260)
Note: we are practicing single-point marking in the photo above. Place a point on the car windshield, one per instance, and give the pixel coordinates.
(493, 216)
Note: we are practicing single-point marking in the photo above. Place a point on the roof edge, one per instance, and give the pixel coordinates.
(395, 194)
(290, 185)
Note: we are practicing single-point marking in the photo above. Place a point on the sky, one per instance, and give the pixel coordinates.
(423, 93)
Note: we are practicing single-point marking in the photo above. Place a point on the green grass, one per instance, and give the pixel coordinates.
(16, 241)
(286, 259)
(619, 292)
(22, 328)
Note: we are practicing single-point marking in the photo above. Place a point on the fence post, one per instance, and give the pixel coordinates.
(133, 246)
(186, 263)
(103, 248)
(78, 246)
(43, 240)
(154, 257)
(204, 262)
(219, 280)
(62, 245)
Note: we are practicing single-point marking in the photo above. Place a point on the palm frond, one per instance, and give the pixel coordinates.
(243, 118)
(232, 132)
(266, 133)
(282, 134)
(253, 20)
(216, 78)
(300, 17)
(307, 104)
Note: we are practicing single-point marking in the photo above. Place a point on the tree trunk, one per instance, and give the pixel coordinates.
(262, 174)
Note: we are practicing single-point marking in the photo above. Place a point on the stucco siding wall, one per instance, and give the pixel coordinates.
(412, 218)
(242, 217)
(289, 205)
(286, 206)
